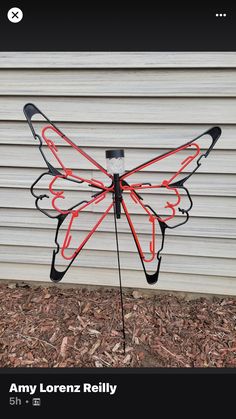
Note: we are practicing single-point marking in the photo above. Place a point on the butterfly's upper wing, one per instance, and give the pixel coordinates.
(30, 110)
(68, 191)
(67, 163)
(164, 201)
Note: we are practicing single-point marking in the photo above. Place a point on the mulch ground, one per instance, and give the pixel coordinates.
(58, 327)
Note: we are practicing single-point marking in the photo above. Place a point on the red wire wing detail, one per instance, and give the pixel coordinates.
(68, 174)
(184, 163)
(54, 148)
(166, 183)
(75, 214)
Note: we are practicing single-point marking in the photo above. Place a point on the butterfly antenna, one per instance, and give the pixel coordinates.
(120, 281)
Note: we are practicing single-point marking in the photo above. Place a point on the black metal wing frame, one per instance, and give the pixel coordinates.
(30, 110)
(214, 133)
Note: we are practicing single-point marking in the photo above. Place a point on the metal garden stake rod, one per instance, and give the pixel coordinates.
(116, 167)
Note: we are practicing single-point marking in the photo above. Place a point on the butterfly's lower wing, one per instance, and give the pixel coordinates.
(149, 244)
(164, 201)
(75, 229)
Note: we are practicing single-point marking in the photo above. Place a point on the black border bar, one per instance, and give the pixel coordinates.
(70, 26)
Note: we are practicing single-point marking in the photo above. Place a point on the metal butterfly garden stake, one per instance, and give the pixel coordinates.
(118, 192)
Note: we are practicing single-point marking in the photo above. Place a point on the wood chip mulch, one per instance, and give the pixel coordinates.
(74, 327)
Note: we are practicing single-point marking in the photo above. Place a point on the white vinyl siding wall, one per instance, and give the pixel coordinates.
(140, 101)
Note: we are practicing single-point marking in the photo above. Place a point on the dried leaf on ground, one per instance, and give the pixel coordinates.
(64, 346)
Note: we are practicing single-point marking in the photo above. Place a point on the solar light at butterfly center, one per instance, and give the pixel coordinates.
(116, 167)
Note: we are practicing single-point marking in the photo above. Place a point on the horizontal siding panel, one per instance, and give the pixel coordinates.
(224, 207)
(196, 227)
(145, 136)
(169, 281)
(132, 60)
(217, 162)
(192, 246)
(147, 83)
(132, 110)
(99, 259)
(200, 184)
